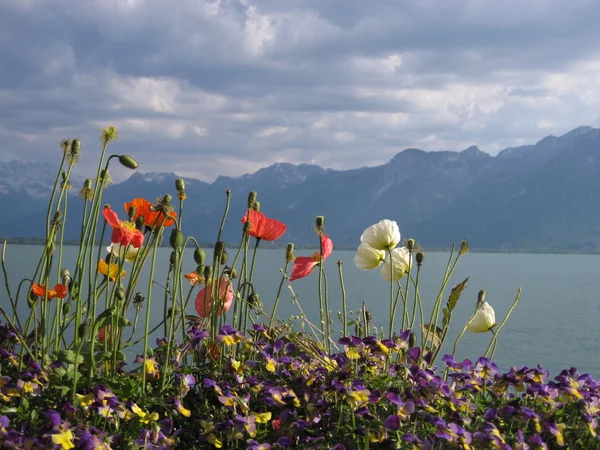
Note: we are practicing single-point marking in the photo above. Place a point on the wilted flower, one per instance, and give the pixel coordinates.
(368, 258)
(400, 264)
(483, 320)
(383, 235)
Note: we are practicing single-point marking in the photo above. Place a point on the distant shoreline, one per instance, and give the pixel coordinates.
(269, 245)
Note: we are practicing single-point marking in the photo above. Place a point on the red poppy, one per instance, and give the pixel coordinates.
(151, 218)
(204, 298)
(262, 227)
(303, 265)
(60, 291)
(124, 232)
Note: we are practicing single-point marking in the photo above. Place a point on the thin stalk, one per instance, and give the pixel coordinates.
(344, 306)
(495, 338)
(147, 326)
(283, 278)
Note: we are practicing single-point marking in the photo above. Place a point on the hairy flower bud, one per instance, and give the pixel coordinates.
(131, 212)
(128, 161)
(86, 191)
(120, 294)
(319, 225)
(138, 299)
(65, 144)
(108, 134)
(224, 258)
(180, 188)
(420, 257)
(253, 300)
(464, 247)
(251, 199)
(289, 253)
(82, 330)
(199, 256)
(410, 244)
(139, 222)
(65, 276)
(208, 270)
(74, 151)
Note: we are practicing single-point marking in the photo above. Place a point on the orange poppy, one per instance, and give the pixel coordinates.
(60, 291)
(194, 278)
(151, 218)
(262, 227)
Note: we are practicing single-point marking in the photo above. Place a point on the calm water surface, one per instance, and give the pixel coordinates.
(554, 325)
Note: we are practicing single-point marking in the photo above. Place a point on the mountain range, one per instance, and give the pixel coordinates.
(539, 197)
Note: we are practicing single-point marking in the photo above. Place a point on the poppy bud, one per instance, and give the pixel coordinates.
(247, 226)
(256, 206)
(65, 276)
(86, 191)
(251, 199)
(420, 257)
(200, 270)
(253, 300)
(82, 330)
(66, 309)
(176, 239)
(289, 253)
(75, 147)
(410, 244)
(128, 161)
(131, 212)
(219, 248)
(166, 200)
(224, 258)
(464, 247)
(180, 188)
(233, 274)
(139, 222)
(199, 256)
(120, 294)
(481, 297)
(207, 273)
(65, 144)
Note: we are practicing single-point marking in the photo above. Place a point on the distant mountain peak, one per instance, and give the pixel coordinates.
(579, 131)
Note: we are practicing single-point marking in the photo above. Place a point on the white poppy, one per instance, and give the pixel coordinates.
(368, 258)
(484, 319)
(119, 251)
(400, 264)
(384, 235)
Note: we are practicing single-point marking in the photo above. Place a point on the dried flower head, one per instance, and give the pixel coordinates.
(109, 134)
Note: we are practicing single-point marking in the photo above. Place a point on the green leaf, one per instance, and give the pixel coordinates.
(69, 356)
(456, 293)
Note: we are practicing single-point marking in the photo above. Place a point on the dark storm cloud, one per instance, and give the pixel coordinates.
(225, 87)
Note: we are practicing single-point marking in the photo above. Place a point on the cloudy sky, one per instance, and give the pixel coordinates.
(209, 87)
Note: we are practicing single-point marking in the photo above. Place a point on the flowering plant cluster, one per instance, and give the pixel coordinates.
(226, 372)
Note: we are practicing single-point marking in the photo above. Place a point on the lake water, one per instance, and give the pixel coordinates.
(554, 325)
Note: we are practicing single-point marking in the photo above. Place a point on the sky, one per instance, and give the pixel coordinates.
(224, 87)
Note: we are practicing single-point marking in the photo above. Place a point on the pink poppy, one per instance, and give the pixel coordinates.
(262, 227)
(124, 232)
(204, 298)
(303, 265)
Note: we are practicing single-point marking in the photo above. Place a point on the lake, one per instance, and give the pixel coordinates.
(554, 325)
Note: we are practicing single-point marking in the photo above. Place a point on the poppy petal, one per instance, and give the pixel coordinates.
(111, 217)
(303, 265)
(327, 246)
(272, 229)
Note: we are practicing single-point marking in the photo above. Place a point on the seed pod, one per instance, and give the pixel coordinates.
(420, 257)
(82, 330)
(410, 244)
(224, 258)
(75, 147)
